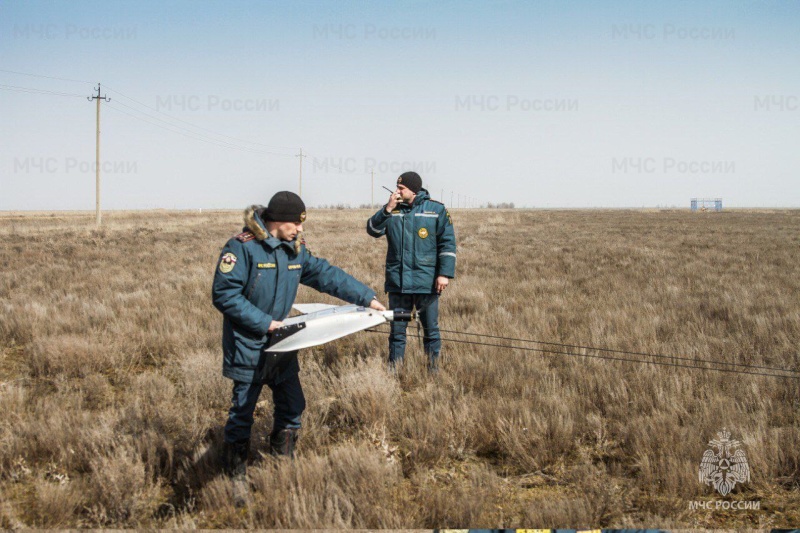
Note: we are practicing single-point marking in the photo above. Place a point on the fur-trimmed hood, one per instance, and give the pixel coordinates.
(252, 221)
(255, 225)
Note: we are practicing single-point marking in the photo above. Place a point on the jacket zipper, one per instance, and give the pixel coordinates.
(402, 251)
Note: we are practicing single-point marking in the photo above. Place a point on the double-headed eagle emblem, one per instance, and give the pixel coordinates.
(725, 468)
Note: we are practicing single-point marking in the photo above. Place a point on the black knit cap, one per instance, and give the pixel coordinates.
(285, 206)
(410, 180)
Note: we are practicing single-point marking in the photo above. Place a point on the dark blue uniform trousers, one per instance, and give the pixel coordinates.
(427, 306)
(287, 397)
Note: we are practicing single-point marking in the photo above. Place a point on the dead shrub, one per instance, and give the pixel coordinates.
(367, 394)
(56, 429)
(97, 392)
(17, 326)
(538, 436)
(198, 376)
(122, 490)
(471, 501)
(71, 356)
(554, 512)
(339, 490)
(57, 505)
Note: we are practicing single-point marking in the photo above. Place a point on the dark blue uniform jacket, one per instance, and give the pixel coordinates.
(256, 282)
(422, 244)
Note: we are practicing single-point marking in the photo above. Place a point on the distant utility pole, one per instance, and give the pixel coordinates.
(301, 156)
(97, 152)
(372, 196)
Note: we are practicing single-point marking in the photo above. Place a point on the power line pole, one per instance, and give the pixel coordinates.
(301, 156)
(97, 153)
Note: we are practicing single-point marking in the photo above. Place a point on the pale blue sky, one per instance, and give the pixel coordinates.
(546, 104)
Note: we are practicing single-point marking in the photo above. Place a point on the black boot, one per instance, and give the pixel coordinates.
(236, 467)
(283, 442)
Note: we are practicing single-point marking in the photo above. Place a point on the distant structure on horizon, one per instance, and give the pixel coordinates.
(704, 204)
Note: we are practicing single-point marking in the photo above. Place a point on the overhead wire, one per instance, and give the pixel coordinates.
(193, 136)
(119, 93)
(194, 125)
(43, 76)
(199, 135)
(33, 90)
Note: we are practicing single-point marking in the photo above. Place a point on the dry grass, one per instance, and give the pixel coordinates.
(113, 400)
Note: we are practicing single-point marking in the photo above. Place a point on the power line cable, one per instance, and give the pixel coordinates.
(47, 77)
(33, 90)
(196, 138)
(195, 126)
(149, 107)
(199, 135)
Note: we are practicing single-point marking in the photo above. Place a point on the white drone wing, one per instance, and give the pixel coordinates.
(329, 323)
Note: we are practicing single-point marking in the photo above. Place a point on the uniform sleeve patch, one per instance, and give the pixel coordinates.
(245, 236)
(227, 263)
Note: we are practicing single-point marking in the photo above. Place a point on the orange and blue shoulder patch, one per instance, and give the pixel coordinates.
(245, 236)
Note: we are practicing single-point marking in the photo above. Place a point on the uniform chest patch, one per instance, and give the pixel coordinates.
(227, 263)
(295, 267)
(266, 265)
(423, 232)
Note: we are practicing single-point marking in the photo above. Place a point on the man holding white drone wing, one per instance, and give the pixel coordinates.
(255, 285)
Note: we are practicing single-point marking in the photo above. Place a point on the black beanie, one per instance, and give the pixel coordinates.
(285, 206)
(410, 180)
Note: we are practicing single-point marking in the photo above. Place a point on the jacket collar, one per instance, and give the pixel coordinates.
(256, 226)
(421, 196)
(274, 242)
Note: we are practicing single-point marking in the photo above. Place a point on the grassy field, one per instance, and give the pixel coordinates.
(112, 397)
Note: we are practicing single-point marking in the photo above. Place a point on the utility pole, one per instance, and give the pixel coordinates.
(300, 189)
(97, 153)
(372, 197)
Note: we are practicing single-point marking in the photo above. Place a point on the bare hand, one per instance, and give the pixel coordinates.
(394, 199)
(376, 305)
(274, 325)
(441, 283)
